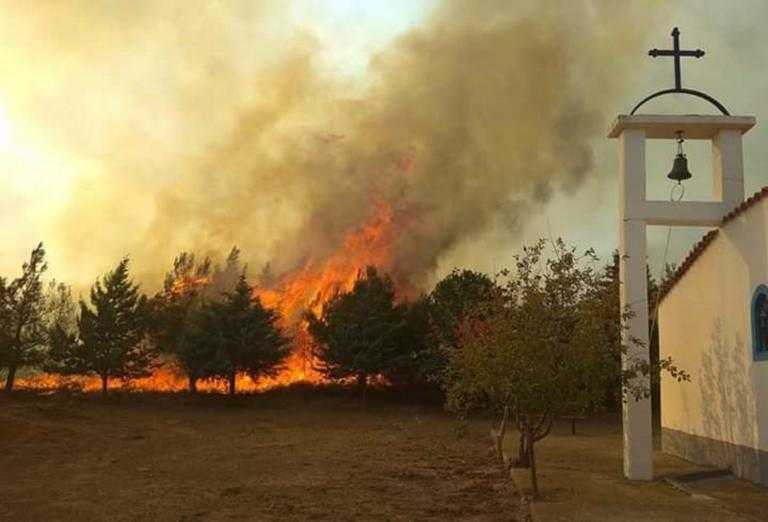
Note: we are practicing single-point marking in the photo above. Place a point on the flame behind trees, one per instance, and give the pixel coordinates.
(174, 309)
(180, 314)
(242, 336)
(361, 333)
(214, 329)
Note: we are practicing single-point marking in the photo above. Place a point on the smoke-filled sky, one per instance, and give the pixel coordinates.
(151, 127)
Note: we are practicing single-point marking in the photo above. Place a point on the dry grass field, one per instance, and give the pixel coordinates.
(304, 455)
(276, 456)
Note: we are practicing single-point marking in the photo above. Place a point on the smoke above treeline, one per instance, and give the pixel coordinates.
(196, 126)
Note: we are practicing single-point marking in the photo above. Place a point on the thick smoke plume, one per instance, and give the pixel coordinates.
(197, 127)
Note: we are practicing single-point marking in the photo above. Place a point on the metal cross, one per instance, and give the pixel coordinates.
(676, 53)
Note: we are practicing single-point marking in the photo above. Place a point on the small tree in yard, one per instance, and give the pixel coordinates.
(360, 333)
(111, 341)
(243, 334)
(22, 318)
(542, 348)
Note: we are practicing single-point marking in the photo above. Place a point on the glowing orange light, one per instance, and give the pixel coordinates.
(305, 289)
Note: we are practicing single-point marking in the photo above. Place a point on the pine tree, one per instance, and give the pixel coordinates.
(60, 325)
(112, 340)
(244, 334)
(22, 318)
(176, 314)
(361, 333)
(224, 279)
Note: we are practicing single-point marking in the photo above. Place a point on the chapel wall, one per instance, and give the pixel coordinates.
(705, 326)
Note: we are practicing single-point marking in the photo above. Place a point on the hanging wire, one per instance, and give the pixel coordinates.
(676, 194)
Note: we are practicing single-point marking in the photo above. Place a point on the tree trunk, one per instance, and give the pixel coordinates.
(498, 438)
(522, 459)
(192, 384)
(532, 462)
(104, 384)
(10, 379)
(362, 383)
(232, 383)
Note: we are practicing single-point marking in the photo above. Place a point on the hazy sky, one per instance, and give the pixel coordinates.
(121, 123)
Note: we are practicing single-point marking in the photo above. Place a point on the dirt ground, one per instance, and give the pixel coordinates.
(581, 480)
(278, 456)
(304, 455)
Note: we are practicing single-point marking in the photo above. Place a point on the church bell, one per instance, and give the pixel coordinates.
(679, 170)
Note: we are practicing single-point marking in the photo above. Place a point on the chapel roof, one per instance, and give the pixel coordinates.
(708, 238)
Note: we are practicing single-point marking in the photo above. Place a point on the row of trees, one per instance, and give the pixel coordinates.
(206, 318)
(214, 332)
(367, 332)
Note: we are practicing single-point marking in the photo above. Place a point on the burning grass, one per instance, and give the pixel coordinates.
(170, 379)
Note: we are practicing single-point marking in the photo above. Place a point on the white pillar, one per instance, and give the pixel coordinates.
(728, 168)
(638, 430)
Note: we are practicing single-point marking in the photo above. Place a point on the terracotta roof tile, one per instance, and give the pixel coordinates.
(710, 236)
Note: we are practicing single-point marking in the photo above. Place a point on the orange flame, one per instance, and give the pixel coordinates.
(186, 284)
(314, 284)
(305, 289)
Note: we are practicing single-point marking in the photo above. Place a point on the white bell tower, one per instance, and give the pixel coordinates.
(636, 213)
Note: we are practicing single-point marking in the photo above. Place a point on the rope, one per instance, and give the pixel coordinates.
(673, 198)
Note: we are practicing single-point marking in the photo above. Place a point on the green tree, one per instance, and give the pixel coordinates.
(360, 333)
(112, 333)
(176, 313)
(60, 308)
(22, 318)
(224, 279)
(418, 354)
(541, 349)
(607, 291)
(243, 334)
(60, 325)
(453, 298)
(449, 303)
